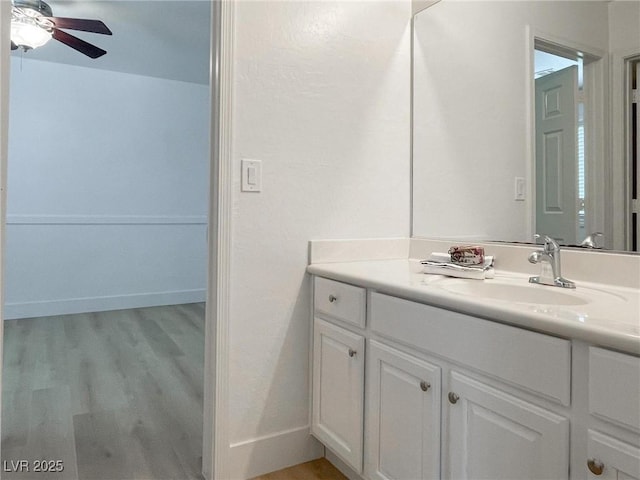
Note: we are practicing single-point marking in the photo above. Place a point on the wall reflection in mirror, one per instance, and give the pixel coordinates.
(524, 122)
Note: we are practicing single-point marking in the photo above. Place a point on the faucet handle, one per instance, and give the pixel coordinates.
(550, 245)
(591, 240)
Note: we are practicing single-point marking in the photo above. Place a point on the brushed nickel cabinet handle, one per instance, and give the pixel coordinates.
(425, 386)
(333, 298)
(352, 352)
(453, 398)
(595, 466)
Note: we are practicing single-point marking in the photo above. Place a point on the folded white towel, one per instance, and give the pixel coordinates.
(453, 270)
(441, 264)
(446, 258)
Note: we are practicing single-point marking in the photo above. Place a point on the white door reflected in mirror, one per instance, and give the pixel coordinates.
(559, 147)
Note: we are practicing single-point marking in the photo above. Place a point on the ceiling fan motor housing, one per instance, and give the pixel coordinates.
(37, 5)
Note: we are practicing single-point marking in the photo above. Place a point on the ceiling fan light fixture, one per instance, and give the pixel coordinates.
(33, 25)
(28, 35)
(29, 25)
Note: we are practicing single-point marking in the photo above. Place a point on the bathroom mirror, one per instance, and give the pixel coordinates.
(490, 160)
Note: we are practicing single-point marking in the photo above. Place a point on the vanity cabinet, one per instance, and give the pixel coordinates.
(448, 395)
(402, 417)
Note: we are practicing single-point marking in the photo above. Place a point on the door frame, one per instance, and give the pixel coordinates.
(215, 403)
(5, 39)
(619, 208)
(215, 455)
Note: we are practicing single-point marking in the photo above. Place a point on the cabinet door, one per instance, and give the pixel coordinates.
(611, 459)
(494, 435)
(403, 416)
(338, 391)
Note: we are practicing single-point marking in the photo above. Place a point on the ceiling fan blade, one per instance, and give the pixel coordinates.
(85, 25)
(77, 44)
(14, 46)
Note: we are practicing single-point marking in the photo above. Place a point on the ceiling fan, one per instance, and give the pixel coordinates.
(33, 25)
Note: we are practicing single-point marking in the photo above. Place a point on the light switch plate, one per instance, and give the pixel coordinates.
(519, 189)
(251, 175)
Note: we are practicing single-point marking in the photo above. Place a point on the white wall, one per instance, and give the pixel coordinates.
(107, 187)
(624, 18)
(322, 98)
(471, 136)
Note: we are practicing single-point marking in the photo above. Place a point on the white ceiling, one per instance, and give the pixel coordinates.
(161, 38)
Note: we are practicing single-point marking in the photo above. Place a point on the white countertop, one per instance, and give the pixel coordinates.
(610, 317)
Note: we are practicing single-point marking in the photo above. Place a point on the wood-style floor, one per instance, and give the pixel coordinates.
(113, 395)
(319, 469)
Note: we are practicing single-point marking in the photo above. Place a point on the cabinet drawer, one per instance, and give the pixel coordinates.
(536, 362)
(614, 387)
(339, 300)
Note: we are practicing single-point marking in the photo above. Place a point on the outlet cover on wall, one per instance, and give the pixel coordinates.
(251, 175)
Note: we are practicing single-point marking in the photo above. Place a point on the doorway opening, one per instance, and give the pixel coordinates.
(106, 266)
(565, 176)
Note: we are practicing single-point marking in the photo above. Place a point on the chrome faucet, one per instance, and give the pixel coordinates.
(550, 254)
(591, 240)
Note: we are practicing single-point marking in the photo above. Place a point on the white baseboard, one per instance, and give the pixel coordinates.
(273, 452)
(345, 469)
(14, 311)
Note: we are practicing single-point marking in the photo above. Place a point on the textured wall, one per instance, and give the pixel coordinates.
(107, 187)
(322, 98)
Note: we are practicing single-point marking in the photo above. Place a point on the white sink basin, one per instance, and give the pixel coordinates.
(520, 292)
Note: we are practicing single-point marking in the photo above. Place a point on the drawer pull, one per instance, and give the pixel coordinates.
(352, 352)
(333, 299)
(453, 398)
(595, 466)
(425, 386)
